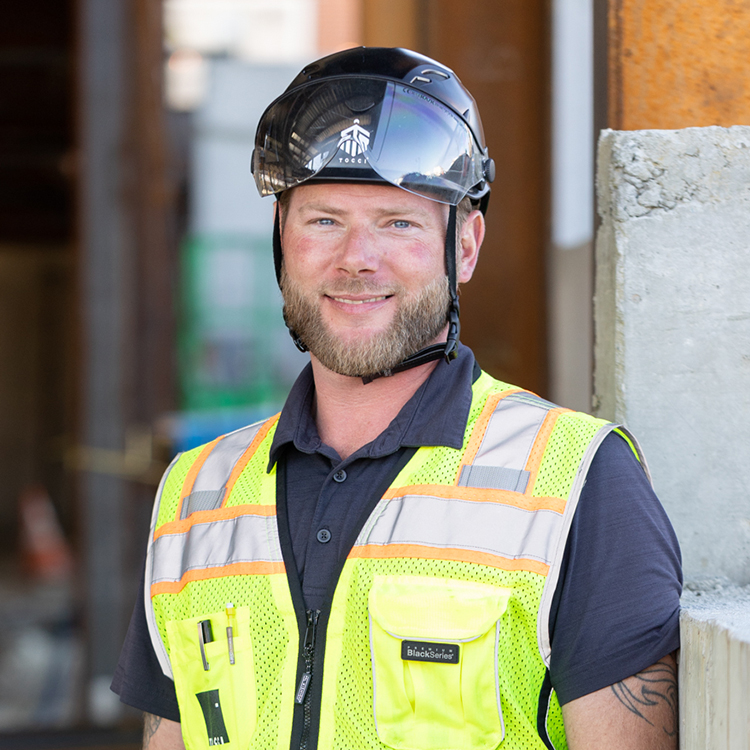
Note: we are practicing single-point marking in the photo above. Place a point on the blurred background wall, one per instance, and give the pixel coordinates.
(138, 309)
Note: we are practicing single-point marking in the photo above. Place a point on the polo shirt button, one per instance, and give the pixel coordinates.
(324, 536)
(339, 476)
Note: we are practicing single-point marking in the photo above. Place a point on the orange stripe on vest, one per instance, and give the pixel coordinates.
(187, 485)
(207, 516)
(540, 444)
(479, 495)
(237, 569)
(247, 455)
(480, 428)
(422, 552)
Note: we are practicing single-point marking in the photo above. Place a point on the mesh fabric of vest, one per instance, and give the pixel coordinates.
(347, 720)
(273, 626)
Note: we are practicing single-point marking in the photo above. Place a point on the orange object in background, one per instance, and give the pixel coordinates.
(678, 63)
(45, 553)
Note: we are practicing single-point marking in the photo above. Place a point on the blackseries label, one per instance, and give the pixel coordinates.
(439, 653)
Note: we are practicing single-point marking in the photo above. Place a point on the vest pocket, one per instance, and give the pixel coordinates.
(433, 643)
(217, 705)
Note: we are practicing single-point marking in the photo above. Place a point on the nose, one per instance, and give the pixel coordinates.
(358, 253)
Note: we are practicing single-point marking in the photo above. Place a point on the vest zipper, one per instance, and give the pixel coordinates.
(307, 696)
(302, 696)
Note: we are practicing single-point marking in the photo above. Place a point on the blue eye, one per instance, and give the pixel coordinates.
(401, 224)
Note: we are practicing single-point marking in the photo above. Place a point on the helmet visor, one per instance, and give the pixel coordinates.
(348, 128)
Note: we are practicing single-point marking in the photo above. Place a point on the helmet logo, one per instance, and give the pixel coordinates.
(354, 140)
(427, 72)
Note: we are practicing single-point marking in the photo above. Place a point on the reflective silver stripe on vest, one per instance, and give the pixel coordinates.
(209, 486)
(550, 585)
(489, 527)
(201, 500)
(215, 544)
(494, 478)
(153, 628)
(501, 460)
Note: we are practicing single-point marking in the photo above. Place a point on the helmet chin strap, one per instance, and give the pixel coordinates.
(447, 350)
(277, 267)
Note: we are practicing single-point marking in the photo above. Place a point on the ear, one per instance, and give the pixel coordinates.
(472, 235)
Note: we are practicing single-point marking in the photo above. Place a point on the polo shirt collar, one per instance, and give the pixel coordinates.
(435, 415)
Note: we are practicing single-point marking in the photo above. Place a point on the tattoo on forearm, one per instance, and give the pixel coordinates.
(655, 686)
(150, 725)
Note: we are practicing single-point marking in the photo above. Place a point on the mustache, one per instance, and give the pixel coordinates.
(359, 286)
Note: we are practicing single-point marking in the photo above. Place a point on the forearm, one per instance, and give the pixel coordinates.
(639, 713)
(161, 734)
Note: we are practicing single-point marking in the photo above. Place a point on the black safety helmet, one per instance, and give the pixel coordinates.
(378, 115)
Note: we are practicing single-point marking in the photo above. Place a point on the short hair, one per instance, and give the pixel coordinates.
(464, 208)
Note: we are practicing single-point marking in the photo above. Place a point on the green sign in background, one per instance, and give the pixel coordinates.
(234, 347)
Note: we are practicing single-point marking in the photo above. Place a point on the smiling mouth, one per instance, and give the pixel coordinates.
(360, 301)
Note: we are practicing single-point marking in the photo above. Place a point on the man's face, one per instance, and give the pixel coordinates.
(364, 281)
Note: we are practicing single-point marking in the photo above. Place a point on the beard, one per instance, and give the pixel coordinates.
(418, 321)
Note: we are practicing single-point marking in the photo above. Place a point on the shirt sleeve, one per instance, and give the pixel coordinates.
(616, 607)
(139, 679)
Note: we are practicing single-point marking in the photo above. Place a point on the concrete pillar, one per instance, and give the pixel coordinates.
(672, 314)
(672, 353)
(714, 672)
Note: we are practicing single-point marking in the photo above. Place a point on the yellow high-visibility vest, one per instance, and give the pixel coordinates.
(436, 637)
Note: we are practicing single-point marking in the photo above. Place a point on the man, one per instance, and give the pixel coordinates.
(412, 555)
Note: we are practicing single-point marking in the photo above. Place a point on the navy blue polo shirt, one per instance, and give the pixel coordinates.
(326, 497)
(616, 606)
